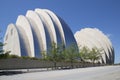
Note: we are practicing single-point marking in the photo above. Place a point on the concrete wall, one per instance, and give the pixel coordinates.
(28, 64)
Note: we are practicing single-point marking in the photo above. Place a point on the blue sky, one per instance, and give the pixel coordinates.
(78, 14)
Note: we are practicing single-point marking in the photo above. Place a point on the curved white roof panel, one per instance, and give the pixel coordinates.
(57, 23)
(11, 40)
(23, 23)
(38, 29)
(48, 24)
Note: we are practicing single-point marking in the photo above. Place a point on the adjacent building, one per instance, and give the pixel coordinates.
(93, 37)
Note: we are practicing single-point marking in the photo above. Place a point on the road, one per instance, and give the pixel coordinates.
(92, 73)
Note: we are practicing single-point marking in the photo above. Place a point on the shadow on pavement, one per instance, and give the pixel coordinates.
(10, 73)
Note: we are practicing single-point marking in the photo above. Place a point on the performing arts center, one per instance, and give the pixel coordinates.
(33, 33)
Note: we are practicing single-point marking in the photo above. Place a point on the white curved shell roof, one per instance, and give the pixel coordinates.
(36, 31)
(23, 24)
(37, 26)
(12, 31)
(92, 37)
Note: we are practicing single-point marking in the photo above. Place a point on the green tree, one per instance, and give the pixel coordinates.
(72, 54)
(95, 54)
(54, 53)
(1, 44)
(84, 54)
(63, 55)
(7, 55)
(90, 55)
(44, 55)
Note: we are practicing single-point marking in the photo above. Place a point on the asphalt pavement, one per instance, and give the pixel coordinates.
(91, 73)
